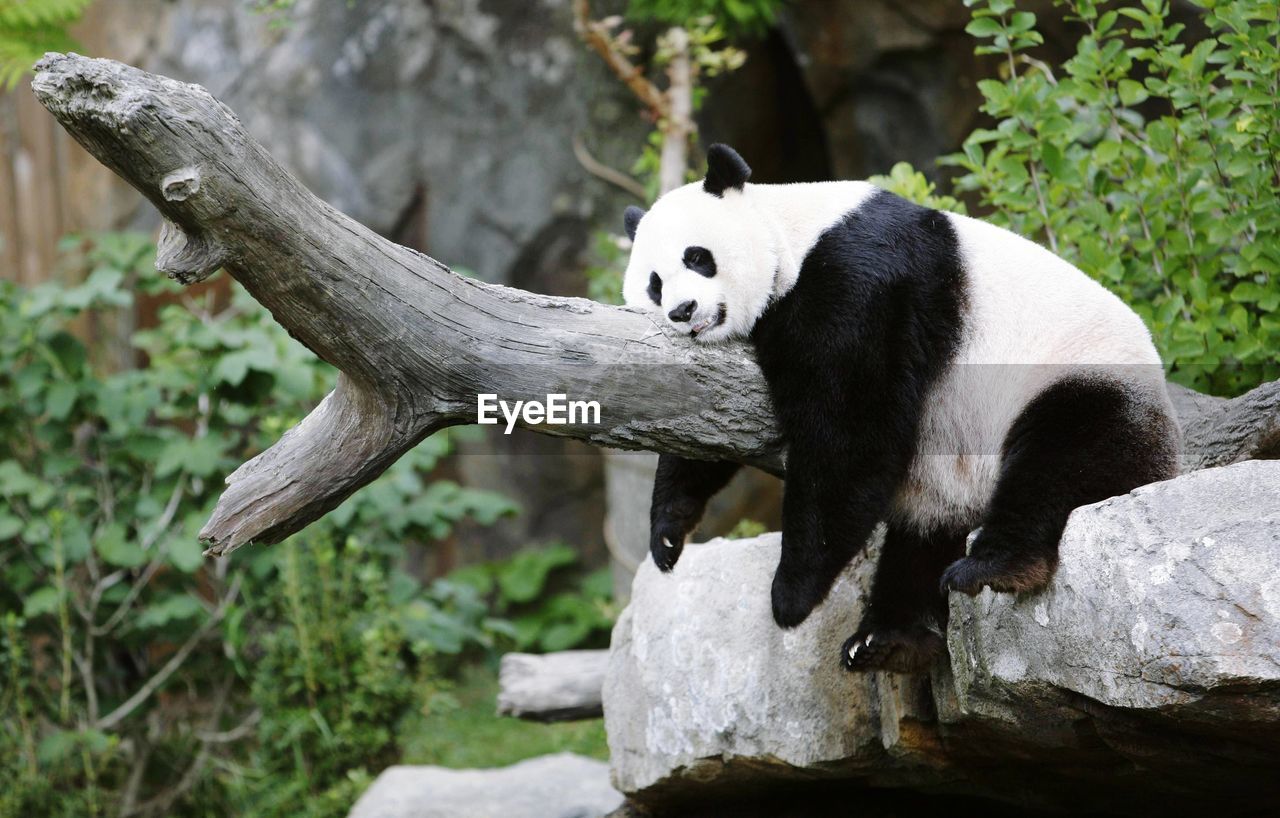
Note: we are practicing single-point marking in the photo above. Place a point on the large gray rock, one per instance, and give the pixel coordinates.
(1148, 674)
(555, 786)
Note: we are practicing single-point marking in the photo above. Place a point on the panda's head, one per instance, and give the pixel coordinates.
(703, 257)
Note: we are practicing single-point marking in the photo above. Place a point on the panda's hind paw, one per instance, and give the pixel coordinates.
(909, 650)
(971, 574)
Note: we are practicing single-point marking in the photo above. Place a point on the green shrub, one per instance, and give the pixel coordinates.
(137, 677)
(546, 604)
(1151, 159)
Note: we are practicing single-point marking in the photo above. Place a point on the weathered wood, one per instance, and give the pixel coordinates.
(415, 342)
(1221, 431)
(552, 687)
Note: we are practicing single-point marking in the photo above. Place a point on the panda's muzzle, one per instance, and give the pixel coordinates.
(710, 322)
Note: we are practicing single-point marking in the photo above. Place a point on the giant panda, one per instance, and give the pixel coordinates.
(934, 372)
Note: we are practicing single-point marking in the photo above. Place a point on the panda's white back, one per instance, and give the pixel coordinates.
(1031, 320)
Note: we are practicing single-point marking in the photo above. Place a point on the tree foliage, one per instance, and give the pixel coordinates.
(737, 16)
(29, 28)
(1151, 159)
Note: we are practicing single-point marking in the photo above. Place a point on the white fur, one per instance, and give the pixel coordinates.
(759, 237)
(1031, 319)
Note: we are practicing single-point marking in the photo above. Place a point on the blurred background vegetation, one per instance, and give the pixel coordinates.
(1138, 139)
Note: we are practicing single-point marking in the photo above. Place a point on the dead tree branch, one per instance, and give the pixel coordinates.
(415, 343)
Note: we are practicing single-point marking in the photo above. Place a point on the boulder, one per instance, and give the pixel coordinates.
(1146, 676)
(555, 786)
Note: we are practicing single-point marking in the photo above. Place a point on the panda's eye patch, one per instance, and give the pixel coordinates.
(700, 260)
(655, 288)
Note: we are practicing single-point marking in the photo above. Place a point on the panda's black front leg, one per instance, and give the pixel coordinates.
(831, 505)
(681, 490)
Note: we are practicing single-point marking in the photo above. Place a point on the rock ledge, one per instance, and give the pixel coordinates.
(1146, 675)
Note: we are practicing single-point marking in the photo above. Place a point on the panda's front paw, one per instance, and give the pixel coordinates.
(666, 541)
(794, 597)
(909, 650)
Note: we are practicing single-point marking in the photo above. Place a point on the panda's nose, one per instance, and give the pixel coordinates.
(683, 312)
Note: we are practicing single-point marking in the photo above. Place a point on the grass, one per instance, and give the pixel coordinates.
(462, 729)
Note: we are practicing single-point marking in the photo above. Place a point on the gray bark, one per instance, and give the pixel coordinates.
(415, 342)
(560, 686)
(1220, 432)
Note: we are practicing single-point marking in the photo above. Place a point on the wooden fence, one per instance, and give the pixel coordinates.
(49, 186)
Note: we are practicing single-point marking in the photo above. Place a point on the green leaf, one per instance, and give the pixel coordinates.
(117, 549)
(57, 746)
(1106, 152)
(525, 575)
(564, 635)
(1021, 21)
(1131, 92)
(10, 526)
(985, 27)
(198, 456)
(42, 601)
(175, 607)
(59, 400)
(185, 553)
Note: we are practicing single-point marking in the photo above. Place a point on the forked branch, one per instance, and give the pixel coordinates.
(415, 343)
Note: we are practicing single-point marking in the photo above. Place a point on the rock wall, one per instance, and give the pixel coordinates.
(1147, 676)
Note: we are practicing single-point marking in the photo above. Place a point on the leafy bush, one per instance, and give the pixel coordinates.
(548, 605)
(749, 16)
(1151, 159)
(139, 678)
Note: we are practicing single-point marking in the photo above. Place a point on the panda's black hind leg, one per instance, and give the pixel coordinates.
(1081, 440)
(904, 623)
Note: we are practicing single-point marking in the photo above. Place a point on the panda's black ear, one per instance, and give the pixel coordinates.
(631, 220)
(726, 170)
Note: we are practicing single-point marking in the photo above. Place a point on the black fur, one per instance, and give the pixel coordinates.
(654, 290)
(1082, 440)
(680, 494)
(726, 170)
(700, 260)
(904, 617)
(849, 355)
(631, 220)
